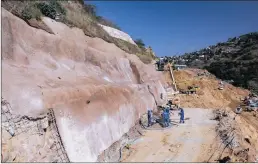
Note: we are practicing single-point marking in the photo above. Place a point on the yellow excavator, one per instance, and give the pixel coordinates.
(191, 88)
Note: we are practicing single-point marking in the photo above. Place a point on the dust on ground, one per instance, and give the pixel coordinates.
(184, 143)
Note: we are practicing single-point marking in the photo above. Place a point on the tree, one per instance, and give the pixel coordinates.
(252, 85)
(139, 43)
(90, 9)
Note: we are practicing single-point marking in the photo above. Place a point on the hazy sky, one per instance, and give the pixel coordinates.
(171, 27)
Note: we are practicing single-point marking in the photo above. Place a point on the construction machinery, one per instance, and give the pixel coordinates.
(252, 107)
(179, 67)
(251, 102)
(190, 90)
(160, 64)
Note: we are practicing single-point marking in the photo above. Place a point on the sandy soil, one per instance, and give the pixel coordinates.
(208, 95)
(187, 142)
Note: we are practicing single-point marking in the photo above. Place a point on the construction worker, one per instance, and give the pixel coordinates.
(149, 117)
(182, 115)
(167, 114)
(164, 116)
(167, 108)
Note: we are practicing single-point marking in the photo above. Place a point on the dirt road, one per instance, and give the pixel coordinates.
(187, 142)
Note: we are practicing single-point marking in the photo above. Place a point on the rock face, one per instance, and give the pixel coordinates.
(118, 34)
(97, 90)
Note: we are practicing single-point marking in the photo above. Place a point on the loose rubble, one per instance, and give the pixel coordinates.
(239, 145)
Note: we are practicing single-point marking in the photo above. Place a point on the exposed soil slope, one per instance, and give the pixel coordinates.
(245, 125)
(208, 96)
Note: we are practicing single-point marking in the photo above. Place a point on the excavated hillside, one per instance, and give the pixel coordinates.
(238, 133)
(96, 91)
(208, 95)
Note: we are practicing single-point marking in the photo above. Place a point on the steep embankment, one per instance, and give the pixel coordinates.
(208, 95)
(96, 90)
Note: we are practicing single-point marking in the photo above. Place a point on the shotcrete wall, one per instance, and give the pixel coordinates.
(96, 90)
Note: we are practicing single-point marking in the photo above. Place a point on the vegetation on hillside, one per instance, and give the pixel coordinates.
(74, 14)
(236, 59)
(139, 43)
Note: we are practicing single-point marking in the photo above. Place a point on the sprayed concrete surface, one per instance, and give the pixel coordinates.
(117, 34)
(97, 91)
(184, 143)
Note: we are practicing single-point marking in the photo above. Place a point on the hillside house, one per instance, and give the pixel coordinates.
(179, 67)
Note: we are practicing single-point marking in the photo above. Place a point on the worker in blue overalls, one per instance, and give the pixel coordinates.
(182, 115)
(165, 117)
(168, 115)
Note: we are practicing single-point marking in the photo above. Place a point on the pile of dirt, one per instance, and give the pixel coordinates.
(239, 138)
(208, 95)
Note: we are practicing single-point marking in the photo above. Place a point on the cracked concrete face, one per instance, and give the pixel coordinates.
(96, 90)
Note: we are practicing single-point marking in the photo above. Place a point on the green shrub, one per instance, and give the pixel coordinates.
(47, 10)
(126, 46)
(58, 7)
(80, 1)
(140, 43)
(78, 15)
(31, 11)
(90, 9)
(51, 9)
(145, 58)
